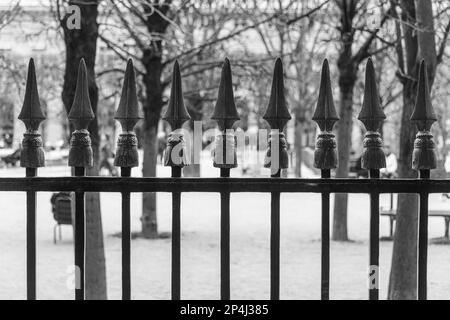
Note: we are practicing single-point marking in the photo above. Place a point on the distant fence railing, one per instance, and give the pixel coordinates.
(225, 113)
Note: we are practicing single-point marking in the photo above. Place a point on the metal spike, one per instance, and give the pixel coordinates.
(372, 116)
(81, 111)
(176, 113)
(325, 114)
(277, 113)
(371, 113)
(424, 154)
(128, 111)
(225, 112)
(31, 113)
(423, 115)
(32, 153)
(325, 155)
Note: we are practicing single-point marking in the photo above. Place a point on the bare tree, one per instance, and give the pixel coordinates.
(82, 43)
(351, 54)
(416, 40)
(154, 33)
(299, 44)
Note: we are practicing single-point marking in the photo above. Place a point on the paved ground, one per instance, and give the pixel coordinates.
(300, 248)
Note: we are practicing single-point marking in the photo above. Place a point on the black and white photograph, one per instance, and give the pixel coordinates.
(218, 157)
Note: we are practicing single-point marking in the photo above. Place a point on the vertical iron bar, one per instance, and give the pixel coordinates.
(176, 239)
(126, 239)
(374, 239)
(423, 239)
(275, 243)
(225, 239)
(79, 239)
(325, 275)
(31, 239)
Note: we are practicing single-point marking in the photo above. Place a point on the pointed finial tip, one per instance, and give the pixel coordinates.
(423, 67)
(129, 70)
(225, 112)
(369, 64)
(176, 113)
(278, 66)
(325, 68)
(31, 113)
(277, 113)
(176, 66)
(81, 111)
(423, 113)
(325, 114)
(82, 66)
(128, 111)
(371, 113)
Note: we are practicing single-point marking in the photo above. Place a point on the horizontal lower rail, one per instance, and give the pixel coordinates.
(119, 184)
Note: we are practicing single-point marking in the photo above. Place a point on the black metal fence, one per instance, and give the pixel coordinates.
(225, 114)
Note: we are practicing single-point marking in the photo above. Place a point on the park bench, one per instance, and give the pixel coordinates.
(391, 214)
(62, 212)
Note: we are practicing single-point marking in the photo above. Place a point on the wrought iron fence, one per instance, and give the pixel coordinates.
(225, 113)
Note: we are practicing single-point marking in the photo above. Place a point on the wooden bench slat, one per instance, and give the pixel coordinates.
(436, 213)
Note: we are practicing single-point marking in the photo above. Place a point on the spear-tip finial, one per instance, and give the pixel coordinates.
(128, 111)
(225, 112)
(277, 113)
(325, 114)
(81, 111)
(176, 113)
(31, 113)
(423, 114)
(371, 113)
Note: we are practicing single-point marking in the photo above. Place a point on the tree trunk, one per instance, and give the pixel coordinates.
(347, 78)
(152, 111)
(298, 147)
(156, 23)
(418, 44)
(82, 43)
(149, 217)
(403, 277)
(344, 142)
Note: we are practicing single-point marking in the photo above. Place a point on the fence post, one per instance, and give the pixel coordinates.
(277, 115)
(423, 159)
(175, 156)
(31, 157)
(126, 158)
(325, 159)
(225, 158)
(373, 159)
(80, 157)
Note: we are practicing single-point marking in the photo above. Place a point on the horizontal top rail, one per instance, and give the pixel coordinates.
(121, 184)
